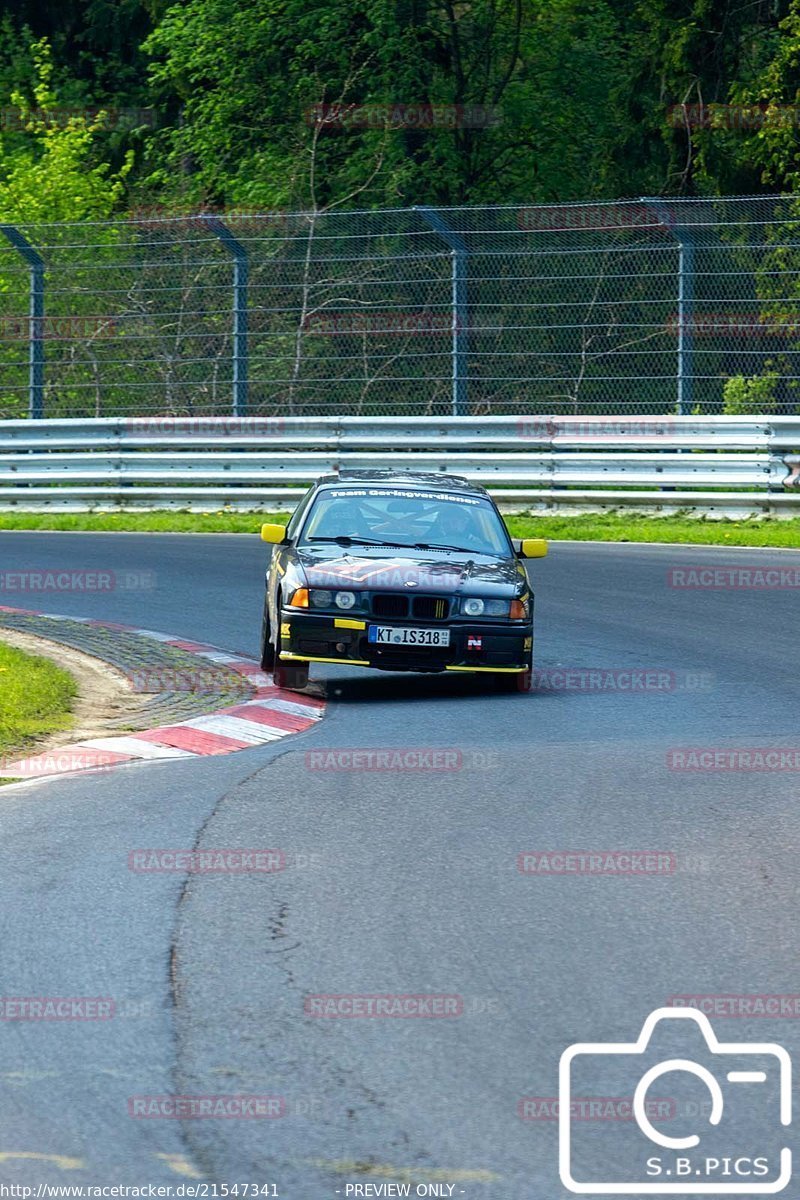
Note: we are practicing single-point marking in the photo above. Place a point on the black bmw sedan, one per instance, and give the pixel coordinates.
(399, 572)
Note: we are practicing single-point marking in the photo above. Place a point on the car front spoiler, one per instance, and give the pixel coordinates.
(313, 637)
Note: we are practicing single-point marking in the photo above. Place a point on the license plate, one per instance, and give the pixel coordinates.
(387, 635)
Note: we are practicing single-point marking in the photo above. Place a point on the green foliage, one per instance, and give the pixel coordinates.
(586, 97)
(776, 91)
(692, 55)
(50, 175)
(742, 397)
(249, 79)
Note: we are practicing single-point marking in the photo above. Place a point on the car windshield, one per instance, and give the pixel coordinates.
(394, 517)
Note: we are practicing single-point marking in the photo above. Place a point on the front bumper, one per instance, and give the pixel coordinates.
(496, 646)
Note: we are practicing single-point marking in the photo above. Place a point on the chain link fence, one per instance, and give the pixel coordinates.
(642, 306)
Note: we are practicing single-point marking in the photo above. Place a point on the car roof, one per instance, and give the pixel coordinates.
(438, 482)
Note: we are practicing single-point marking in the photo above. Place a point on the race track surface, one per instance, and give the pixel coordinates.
(401, 882)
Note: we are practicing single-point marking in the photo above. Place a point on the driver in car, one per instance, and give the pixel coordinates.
(456, 525)
(343, 516)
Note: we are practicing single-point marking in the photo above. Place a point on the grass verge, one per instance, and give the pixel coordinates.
(628, 527)
(604, 527)
(144, 522)
(35, 700)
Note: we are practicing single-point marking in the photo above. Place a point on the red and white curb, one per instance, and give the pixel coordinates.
(270, 714)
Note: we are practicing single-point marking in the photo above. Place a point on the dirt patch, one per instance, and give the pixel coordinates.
(105, 696)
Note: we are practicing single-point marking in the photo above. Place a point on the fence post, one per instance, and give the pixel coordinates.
(683, 237)
(36, 314)
(685, 331)
(459, 255)
(241, 274)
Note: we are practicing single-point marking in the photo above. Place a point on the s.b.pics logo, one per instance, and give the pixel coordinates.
(731, 1106)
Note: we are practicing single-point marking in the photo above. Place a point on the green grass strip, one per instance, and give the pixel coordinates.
(605, 527)
(35, 699)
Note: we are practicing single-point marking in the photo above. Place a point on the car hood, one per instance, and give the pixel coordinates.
(380, 569)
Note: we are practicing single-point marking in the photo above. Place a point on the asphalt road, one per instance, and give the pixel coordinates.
(404, 882)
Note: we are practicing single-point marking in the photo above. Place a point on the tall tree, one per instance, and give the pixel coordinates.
(517, 91)
(681, 64)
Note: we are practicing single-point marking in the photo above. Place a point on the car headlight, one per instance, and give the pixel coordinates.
(321, 599)
(473, 606)
(345, 599)
(496, 608)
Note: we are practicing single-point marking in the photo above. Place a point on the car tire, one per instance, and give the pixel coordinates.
(291, 675)
(267, 648)
(519, 681)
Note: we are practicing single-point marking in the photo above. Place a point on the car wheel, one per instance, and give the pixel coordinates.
(519, 681)
(292, 675)
(267, 648)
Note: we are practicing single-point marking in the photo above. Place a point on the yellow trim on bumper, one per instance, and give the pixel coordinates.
(344, 623)
(349, 662)
(492, 670)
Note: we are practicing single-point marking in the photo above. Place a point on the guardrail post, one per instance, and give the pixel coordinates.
(459, 255)
(36, 314)
(241, 279)
(682, 236)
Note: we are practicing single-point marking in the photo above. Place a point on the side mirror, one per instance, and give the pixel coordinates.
(533, 548)
(273, 533)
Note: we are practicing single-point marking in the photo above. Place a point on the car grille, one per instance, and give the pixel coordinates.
(425, 608)
(430, 608)
(387, 604)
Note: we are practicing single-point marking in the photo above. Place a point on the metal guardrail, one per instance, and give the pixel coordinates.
(732, 464)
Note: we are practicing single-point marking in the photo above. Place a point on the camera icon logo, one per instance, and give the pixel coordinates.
(746, 1099)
